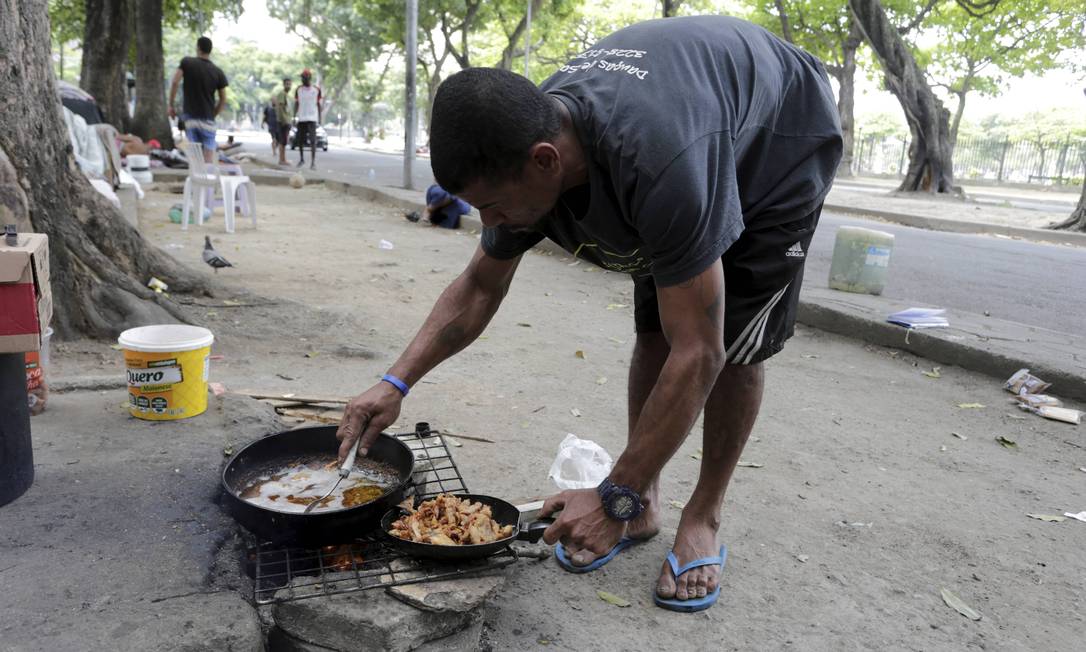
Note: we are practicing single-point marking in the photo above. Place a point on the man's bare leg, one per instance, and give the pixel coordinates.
(730, 413)
(649, 354)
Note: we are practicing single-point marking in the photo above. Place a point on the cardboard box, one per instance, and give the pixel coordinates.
(26, 302)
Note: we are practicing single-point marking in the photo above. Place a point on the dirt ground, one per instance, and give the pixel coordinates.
(865, 509)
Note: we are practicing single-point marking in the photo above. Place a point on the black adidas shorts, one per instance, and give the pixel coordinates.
(763, 273)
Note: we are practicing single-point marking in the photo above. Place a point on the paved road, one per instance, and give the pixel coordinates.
(1026, 282)
(1030, 283)
(387, 168)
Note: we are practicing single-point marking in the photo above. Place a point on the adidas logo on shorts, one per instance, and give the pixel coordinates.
(795, 251)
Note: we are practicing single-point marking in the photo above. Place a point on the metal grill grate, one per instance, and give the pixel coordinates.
(282, 574)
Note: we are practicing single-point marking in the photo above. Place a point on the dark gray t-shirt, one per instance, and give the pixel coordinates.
(201, 79)
(694, 129)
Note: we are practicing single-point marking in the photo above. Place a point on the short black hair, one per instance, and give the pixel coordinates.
(203, 44)
(483, 124)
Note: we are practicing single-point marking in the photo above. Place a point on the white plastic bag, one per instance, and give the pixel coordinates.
(580, 464)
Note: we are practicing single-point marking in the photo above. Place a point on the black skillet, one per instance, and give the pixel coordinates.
(502, 512)
(317, 528)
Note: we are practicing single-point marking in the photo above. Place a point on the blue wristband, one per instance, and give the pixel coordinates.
(397, 383)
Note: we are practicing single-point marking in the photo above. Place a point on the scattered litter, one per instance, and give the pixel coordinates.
(218, 389)
(960, 436)
(677, 504)
(311, 354)
(175, 245)
(157, 285)
(915, 318)
(959, 605)
(385, 244)
(228, 451)
(934, 373)
(1048, 518)
(579, 464)
(696, 454)
(617, 306)
(942, 449)
(611, 598)
(580, 354)
(810, 356)
(1066, 415)
(1081, 516)
(751, 465)
(452, 442)
(602, 380)
(1006, 443)
(1023, 382)
(115, 347)
(1082, 468)
(802, 558)
(970, 406)
(286, 377)
(855, 526)
(574, 263)
(575, 412)
(1037, 400)
(539, 409)
(616, 340)
(216, 357)
(524, 324)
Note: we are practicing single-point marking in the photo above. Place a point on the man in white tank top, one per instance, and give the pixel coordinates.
(307, 108)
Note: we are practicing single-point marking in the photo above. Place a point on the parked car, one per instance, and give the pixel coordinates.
(322, 138)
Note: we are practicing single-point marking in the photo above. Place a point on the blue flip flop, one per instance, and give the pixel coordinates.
(565, 562)
(692, 604)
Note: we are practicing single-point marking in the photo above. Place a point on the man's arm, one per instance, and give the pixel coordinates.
(173, 92)
(461, 313)
(692, 315)
(318, 110)
(222, 101)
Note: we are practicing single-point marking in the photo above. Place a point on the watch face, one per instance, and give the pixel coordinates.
(622, 506)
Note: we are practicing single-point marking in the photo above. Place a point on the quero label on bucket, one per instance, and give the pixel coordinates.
(167, 369)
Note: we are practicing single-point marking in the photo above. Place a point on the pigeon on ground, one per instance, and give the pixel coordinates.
(212, 257)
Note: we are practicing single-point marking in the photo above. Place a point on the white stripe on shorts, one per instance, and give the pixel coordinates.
(749, 341)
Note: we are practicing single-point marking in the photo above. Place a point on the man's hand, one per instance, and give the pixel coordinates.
(171, 112)
(366, 416)
(582, 527)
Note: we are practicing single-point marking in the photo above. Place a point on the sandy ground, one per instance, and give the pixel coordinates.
(865, 509)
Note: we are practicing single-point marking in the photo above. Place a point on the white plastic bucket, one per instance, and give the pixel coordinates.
(167, 367)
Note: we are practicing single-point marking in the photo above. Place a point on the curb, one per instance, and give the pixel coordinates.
(862, 317)
(962, 226)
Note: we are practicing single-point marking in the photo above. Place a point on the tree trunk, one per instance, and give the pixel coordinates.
(510, 51)
(671, 7)
(105, 50)
(931, 166)
(151, 120)
(1077, 221)
(99, 263)
(846, 100)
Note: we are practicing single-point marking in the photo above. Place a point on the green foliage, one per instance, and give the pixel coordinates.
(1015, 38)
(198, 15)
(882, 125)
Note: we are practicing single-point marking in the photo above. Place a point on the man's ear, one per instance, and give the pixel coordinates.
(546, 158)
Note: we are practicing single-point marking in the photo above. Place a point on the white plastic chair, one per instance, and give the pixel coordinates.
(202, 181)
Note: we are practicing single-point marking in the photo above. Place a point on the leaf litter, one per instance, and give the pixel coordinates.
(959, 605)
(1048, 518)
(611, 598)
(1006, 443)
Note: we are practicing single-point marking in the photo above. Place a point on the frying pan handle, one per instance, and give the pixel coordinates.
(534, 530)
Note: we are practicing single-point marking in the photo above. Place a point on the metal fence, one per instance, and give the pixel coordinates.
(1003, 160)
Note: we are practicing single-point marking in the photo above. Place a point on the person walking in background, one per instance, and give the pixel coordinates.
(307, 108)
(203, 80)
(272, 123)
(284, 116)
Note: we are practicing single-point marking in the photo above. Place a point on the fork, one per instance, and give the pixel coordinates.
(344, 471)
